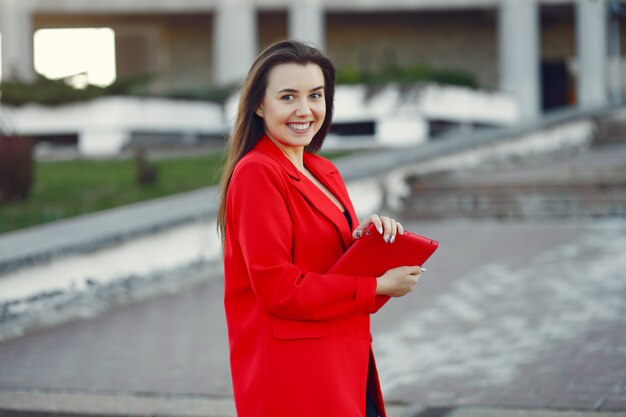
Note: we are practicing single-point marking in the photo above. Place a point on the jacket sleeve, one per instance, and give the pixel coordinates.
(381, 300)
(264, 231)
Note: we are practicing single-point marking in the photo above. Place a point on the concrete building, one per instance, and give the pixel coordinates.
(548, 53)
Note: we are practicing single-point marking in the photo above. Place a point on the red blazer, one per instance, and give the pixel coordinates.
(299, 338)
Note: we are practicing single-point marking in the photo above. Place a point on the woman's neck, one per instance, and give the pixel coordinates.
(294, 153)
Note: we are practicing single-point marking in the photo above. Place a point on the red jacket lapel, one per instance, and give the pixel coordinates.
(328, 175)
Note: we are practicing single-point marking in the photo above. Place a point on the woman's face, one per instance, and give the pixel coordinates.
(293, 108)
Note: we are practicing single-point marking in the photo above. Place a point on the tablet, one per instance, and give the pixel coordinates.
(371, 256)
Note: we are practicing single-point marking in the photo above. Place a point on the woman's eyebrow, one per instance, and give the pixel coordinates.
(291, 90)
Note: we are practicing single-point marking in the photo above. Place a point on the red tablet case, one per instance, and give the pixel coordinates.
(371, 256)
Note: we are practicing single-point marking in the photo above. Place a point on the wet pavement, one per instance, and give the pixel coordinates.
(509, 315)
(513, 318)
(513, 314)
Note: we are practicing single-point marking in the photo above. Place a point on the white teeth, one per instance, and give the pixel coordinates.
(299, 126)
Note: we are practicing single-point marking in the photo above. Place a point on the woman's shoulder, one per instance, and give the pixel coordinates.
(320, 162)
(256, 163)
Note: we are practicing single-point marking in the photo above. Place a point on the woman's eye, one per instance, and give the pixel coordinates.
(316, 95)
(287, 97)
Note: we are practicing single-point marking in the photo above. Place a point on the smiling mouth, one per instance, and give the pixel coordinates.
(299, 127)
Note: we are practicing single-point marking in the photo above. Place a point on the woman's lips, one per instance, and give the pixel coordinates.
(300, 127)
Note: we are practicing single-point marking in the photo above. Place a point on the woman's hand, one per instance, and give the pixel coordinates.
(398, 281)
(386, 226)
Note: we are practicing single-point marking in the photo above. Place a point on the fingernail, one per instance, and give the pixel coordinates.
(386, 238)
(393, 238)
(380, 229)
(423, 269)
(358, 234)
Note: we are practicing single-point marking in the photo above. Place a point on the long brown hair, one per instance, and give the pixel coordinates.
(249, 127)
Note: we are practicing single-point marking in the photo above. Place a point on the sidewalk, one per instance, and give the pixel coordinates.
(523, 326)
(45, 404)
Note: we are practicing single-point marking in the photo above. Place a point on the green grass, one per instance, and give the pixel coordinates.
(70, 188)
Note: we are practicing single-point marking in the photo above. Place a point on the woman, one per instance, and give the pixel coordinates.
(300, 341)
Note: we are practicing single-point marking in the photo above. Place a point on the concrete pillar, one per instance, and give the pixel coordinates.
(519, 54)
(306, 22)
(591, 41)
(235, 40)
(17, 40)
(615, 53)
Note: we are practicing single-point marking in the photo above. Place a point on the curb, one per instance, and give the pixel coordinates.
(115, 404)
(56, 403)
(94, 231)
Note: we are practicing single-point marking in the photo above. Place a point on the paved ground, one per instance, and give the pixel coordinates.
(509, 315)
(512, 319)
(515, 315)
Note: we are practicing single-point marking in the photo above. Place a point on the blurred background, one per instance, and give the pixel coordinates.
(493, 126)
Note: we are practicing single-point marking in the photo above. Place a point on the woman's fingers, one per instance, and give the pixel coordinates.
(389, 228)
(399, 281)
(394, 230)
(411, 270)
(374, 218)
(386, 228)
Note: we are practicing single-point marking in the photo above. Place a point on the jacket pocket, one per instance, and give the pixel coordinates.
(296, 329)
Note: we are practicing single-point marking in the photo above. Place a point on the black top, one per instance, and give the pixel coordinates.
(348, 219)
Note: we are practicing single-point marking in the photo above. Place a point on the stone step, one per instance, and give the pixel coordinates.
(610, 132)
(519, 201)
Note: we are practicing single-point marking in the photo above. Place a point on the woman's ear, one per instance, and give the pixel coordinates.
(259, 111)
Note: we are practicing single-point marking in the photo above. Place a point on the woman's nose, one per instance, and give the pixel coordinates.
(303, 108)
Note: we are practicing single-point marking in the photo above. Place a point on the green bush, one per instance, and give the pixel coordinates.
(137, 84)
(408, 75)
(53, 92)
(204, 93)
(45, 91)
